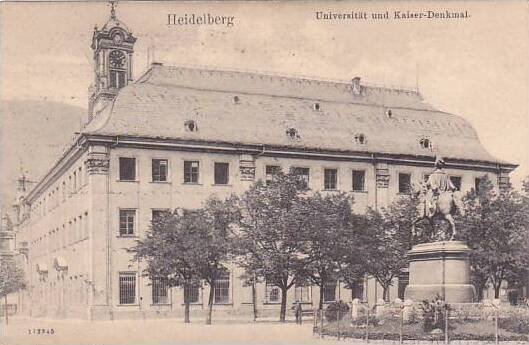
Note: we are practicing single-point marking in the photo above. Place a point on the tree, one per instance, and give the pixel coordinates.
(352, 249)
(12, 279)
(185, 247)
(495, 228)
(326, 220)
(216, 243)
(170, 249)
(388, 239)
(269, 233)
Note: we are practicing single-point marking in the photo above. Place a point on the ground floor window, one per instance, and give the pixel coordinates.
(273, 293)
(222, 288)
(160, 291)
(127, 288)
(192, 293)
(357, 289)
(403, 281)
(303, 293)
(329, 291)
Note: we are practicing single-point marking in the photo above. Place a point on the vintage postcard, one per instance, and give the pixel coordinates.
(287, 172)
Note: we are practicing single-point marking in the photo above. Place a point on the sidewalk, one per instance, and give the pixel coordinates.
(154, 332)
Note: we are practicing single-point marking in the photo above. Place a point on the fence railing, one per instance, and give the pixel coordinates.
(408, 321)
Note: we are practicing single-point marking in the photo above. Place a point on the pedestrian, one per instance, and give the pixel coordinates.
(299, 313)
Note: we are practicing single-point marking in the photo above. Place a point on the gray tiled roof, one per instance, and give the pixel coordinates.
(164, 98)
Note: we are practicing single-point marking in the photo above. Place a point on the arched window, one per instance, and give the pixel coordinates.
(191, 126)
(360, 138)
(425, 143)
(293, 134)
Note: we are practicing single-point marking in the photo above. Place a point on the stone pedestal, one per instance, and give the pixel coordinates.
(440, 268)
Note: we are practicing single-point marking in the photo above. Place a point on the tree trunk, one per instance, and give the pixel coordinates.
(385, 292)
(254, 302)
(497, 289)
(5, 307)
(480, 286)
(210, 303)
(186, 303)
(283, 311)
(320, 304)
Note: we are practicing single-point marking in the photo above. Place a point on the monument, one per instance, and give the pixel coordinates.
(439, 268)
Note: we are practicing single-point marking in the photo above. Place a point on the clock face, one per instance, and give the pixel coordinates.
(118, 39)
(117, 58)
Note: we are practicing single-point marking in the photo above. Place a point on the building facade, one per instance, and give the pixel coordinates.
(176, 136)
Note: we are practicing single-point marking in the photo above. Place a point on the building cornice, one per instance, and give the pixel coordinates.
(63, 163)
(85, 140)
(292, 152)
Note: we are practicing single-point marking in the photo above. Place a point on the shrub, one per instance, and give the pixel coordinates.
(336, 308)
(515, 322)
(433, 314)
(361, 321)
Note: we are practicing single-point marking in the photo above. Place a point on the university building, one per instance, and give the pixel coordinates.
(176, 136)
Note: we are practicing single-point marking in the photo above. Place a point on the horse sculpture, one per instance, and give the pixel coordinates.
(430, 207)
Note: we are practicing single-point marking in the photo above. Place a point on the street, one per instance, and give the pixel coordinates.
(161, 331)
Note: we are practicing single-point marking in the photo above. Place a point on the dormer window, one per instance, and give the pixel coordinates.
(425, 143)
(360, 138)
(191, 126)
(316, 106)
(236, 99)
(293, 134)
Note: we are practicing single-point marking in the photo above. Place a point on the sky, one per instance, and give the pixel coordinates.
(476, 67)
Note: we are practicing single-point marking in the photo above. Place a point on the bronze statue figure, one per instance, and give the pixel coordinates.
(438, 198)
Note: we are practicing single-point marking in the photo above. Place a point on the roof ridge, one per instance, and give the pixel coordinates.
(292, 77)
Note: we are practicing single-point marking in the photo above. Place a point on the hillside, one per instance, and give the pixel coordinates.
(32, 135)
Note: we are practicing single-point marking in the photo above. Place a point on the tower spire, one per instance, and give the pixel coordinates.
(113, 4)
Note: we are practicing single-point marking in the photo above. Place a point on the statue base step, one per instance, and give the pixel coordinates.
(440, 268)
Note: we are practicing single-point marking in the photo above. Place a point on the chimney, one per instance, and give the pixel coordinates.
(356, 88)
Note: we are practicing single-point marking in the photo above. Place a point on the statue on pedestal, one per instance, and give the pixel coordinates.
(438, 198)
(439, 268)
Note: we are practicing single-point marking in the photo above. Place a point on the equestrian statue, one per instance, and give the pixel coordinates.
(438, 199)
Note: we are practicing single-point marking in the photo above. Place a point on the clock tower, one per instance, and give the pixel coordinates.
(112, 46)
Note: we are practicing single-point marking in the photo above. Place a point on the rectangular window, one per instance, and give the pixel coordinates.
(191, 171)
(477, 182)
(126, 222)
(403, 281)
(304, 173)
(159, 291)
(222, 288)
(159, 170)
(127, 288)
(273, 293)
(329, 291)
(330, 179)
(359, 177)
(357, 290)
(271, 171)
(404, 183)
(80, 176)
(117, 79)
(192, 293)
(302, 293)
(157, 214)
(456, 181)
(74, 181)
(127, 169)
(221, 173)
